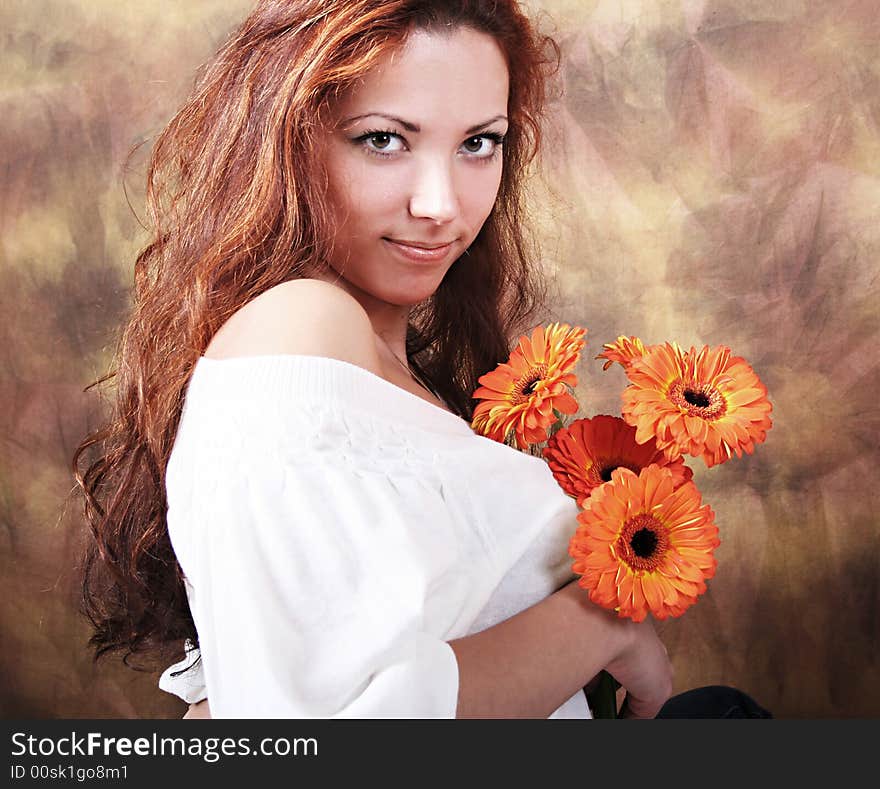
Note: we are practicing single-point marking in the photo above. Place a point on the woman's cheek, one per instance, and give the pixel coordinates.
(483, 195)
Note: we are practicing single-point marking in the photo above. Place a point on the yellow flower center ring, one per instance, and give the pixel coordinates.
(698, 399)
(525, 387)
(643, 542)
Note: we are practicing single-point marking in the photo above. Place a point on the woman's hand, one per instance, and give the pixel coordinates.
(644, 670)
(633, 655)
(198, 710)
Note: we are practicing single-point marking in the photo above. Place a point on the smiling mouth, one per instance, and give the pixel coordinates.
(417, 244)
(416, 251)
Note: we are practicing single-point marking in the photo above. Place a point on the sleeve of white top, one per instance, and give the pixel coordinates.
(185, 679)
(311, 583)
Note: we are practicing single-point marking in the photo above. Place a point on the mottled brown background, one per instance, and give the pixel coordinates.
(714, 169)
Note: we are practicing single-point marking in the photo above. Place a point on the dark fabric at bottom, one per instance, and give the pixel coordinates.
(713, 701)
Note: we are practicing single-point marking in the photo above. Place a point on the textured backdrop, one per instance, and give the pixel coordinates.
(712, 176)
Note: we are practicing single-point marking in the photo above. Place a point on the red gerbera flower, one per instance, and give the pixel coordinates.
(583, 455)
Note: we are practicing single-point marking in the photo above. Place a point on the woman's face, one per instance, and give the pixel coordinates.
(415, 162)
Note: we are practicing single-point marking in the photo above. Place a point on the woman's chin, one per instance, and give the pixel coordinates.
(411, 291)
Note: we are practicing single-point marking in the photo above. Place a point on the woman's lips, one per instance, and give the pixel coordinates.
(419, 253)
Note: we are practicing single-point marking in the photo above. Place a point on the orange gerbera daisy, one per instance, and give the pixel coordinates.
(644, 545)
(521, 395)
(583, 455)
(623, 350)
(703, 403)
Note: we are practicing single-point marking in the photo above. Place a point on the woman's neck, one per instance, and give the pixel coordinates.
(390, 321)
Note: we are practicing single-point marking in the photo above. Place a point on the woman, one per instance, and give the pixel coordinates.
(338, 256)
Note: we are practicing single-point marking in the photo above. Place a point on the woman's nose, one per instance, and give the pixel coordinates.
(433, 195)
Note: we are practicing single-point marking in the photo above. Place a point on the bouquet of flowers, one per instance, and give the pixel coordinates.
(645, 540)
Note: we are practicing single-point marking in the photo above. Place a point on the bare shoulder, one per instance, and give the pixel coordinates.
(303, 316)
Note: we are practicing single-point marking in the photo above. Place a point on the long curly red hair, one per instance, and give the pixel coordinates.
(237, 204)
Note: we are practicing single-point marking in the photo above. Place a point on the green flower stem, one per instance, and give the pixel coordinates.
(603, 698)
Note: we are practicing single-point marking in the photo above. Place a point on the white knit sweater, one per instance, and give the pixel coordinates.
(336, 531)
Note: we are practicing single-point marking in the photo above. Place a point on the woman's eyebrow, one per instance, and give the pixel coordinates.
(412, 127)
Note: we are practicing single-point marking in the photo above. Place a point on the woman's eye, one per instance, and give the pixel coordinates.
(483, 146)
(381, 142)
(475, 144)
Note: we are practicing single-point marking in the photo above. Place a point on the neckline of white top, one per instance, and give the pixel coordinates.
(321, 378)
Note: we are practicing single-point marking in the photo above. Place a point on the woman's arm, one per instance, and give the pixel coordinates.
(529, 665)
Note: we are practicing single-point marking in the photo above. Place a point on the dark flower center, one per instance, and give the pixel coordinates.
(703, 400)
(643, 543)
(526, 385)
(529, 388)
(605, 473)
(699, 399)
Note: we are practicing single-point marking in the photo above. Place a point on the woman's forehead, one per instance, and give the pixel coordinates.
(434, 80)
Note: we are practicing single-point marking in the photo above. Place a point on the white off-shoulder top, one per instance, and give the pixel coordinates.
(336, 531)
